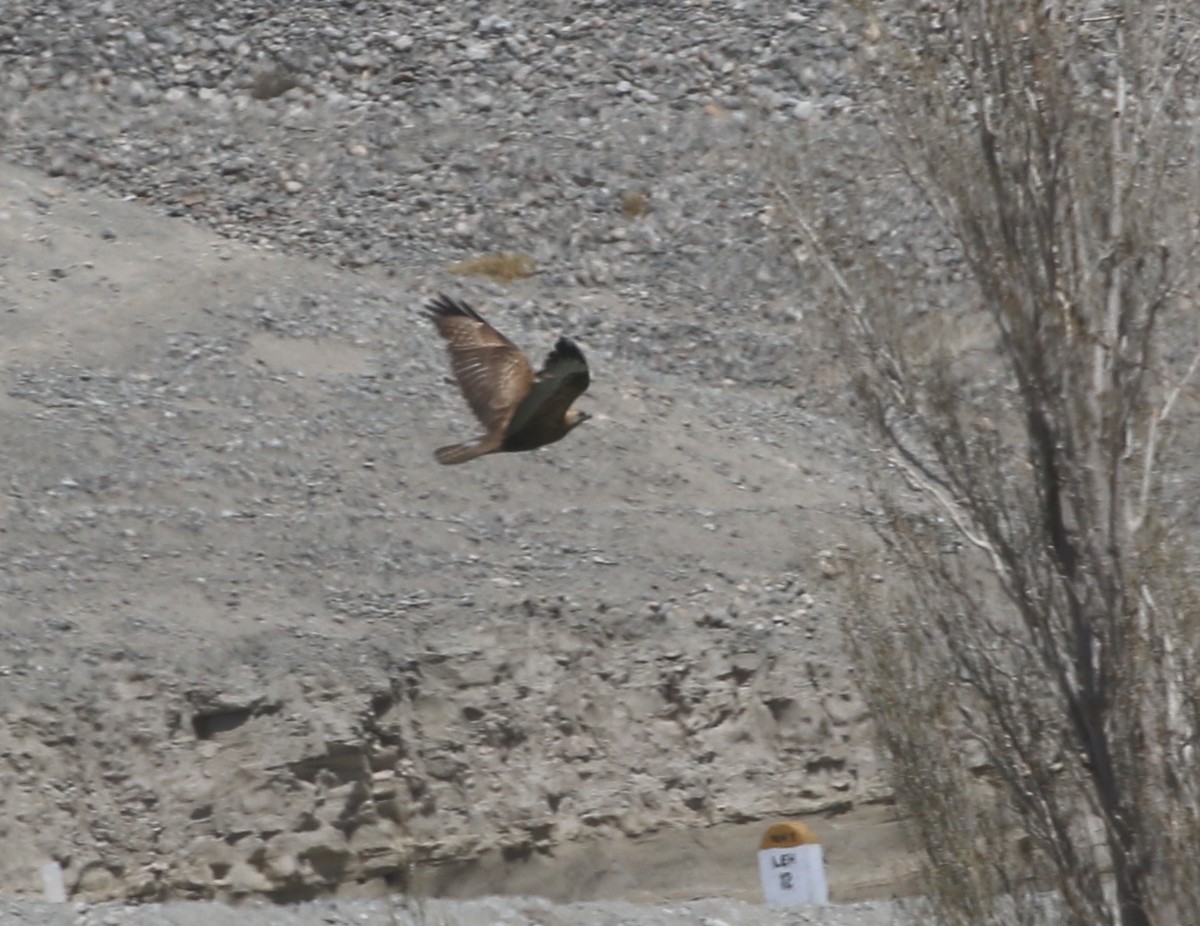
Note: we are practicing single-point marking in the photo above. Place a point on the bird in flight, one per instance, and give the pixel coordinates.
(520, 411)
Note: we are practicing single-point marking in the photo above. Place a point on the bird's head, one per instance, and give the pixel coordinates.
(574, 417)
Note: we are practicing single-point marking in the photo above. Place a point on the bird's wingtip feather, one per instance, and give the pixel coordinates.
(444, 306)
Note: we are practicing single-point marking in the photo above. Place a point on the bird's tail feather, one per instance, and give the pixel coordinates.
(460, 453)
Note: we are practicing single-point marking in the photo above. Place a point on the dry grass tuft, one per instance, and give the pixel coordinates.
(503, 266)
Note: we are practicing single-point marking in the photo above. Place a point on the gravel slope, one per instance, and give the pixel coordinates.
(256, 643)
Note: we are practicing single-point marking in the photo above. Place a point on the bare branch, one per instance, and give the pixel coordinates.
(1054, 144)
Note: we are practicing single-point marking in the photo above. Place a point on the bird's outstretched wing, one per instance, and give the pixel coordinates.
(492, 373)
(560, 382)
(567, 367)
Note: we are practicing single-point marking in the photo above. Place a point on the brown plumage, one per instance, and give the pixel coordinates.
(519, 411)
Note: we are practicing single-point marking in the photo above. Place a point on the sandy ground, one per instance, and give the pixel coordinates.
(189, 545)
(153, 570)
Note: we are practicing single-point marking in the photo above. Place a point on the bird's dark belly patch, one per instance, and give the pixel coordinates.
(530, 438)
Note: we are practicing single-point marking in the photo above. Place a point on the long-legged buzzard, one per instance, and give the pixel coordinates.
(520, 411)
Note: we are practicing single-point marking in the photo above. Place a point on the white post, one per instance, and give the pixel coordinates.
(54, 889)
(792, 867)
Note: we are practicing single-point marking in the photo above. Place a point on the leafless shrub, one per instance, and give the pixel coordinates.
(1035, 682)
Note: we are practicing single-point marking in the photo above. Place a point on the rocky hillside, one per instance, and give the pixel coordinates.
(254, 641)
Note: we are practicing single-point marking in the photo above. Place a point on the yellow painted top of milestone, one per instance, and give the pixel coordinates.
(786, 835)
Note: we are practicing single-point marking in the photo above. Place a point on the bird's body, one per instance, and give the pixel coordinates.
(520, 411)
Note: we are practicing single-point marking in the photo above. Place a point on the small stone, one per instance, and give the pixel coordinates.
(493, 25)
(478, 51)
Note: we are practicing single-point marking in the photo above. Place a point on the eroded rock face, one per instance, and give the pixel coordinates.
(268, 782)
(254, 641)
